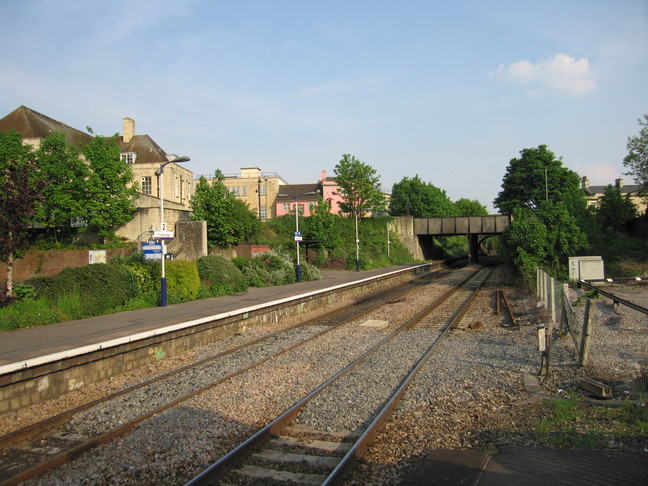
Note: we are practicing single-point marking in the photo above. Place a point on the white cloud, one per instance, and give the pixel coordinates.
(561, 71)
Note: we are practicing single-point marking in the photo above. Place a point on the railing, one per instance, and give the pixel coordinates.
(562, 314)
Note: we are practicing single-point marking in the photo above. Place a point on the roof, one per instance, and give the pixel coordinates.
(146, 149)
(32, 124)
(625, 189)
(298, 190)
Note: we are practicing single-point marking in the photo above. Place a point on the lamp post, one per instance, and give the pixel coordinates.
(357, 237)
(357, 242)
(296, 198)
(160, 174)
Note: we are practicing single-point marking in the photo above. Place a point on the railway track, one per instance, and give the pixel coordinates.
(33, 450)
(300, 446)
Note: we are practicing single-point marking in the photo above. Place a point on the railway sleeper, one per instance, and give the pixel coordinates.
(304, 459)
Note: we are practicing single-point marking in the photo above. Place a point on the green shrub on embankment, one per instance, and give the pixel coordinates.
(100, 288)
(273, 268)
(219, 277)
(183, 281)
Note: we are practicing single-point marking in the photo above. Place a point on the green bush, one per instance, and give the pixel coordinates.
(146, 272)
(183, 282)
(220, 276)
(272, 268)
(100, 287)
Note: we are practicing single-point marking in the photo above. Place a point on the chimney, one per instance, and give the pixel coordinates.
(618, 183)
(585, 182)
(323, 175)
(129, 129)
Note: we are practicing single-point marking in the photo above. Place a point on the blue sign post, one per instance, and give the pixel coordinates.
(152, 250)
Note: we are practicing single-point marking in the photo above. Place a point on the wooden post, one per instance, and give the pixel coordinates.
(497, 303)
(552, 299)
(585, 338)
(548, 352)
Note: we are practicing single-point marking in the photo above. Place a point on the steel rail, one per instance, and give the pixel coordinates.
(107, 436)
(368, 436)
(218, 469)
(616, 299)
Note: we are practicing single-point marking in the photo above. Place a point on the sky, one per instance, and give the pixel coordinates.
(450, 91)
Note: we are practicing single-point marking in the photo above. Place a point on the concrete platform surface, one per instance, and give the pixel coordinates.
(27, 344)
(530, 467)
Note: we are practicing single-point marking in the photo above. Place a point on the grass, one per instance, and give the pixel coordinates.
(572, 423)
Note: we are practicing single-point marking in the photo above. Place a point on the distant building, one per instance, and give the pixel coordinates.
(593, 194)
(146, 156)
(139, 150)
(258, 189)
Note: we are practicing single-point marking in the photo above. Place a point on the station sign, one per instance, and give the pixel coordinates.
(152, 251)
(163, 235)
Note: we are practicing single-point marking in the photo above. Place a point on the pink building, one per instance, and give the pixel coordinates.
(307, 196)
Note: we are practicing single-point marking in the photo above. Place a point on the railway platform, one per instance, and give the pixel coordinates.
(31, 344)
(526, 466)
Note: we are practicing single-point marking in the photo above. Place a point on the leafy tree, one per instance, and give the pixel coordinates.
(468, 207)
(413, 197)
(544, 237)
(65, 197)
(19, 197)
(637, 158)
(536, 177)
(322, 225)
(110, 188)
(359, 185)
(229, 220)
(614, 210)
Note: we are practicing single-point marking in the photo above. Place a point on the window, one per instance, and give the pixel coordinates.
(263, 212)
(129, 157)
(245, 190)
(285, 207)
(300, 208)
(146, 185)
(236, 190)
(262, 189)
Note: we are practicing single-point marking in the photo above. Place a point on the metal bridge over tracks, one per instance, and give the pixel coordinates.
(421, 231)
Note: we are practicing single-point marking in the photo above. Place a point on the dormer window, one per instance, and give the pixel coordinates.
(129, 157)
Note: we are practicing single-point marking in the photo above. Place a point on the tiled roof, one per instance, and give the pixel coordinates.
(146, 149)
(627, 188)
(293, 190)
(32, 124)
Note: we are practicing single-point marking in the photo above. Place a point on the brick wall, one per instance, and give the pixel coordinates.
(49, 263)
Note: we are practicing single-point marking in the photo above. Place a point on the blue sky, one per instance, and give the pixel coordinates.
(448, 90)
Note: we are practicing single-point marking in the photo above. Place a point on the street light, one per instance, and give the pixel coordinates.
(160, 174)
(357, 237)
(296, 198)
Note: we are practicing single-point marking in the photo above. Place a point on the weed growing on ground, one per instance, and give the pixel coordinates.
(573, 423)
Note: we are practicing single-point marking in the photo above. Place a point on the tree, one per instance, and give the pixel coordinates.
(413, 197)
(468, 207)
(65, 197)
(637, 158)
(544, 237)
(229, 220)
(536, 177)
(614, 210)
(111, 190)
(19, 197)
(359, 185)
